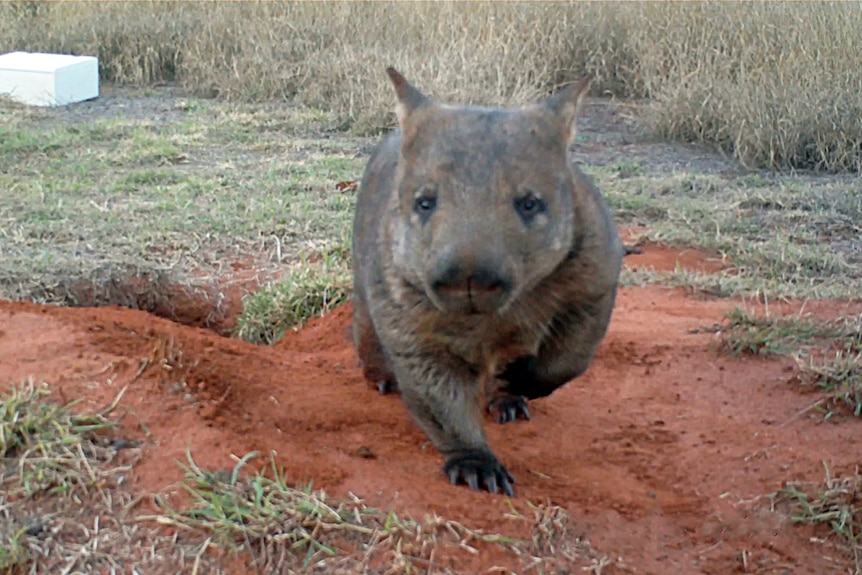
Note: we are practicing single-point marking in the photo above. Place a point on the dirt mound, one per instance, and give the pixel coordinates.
(214, 303)
(659, 453)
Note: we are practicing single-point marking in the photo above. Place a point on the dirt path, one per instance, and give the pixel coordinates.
(661, 453)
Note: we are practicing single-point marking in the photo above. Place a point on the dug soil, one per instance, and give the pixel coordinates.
(663, 453)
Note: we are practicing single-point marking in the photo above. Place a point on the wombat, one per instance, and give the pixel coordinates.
(485, 266)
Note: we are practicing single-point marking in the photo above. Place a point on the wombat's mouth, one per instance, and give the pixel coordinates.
(474, 285)
(470, 300)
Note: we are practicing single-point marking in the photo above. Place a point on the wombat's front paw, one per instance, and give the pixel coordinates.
(506, 407)
(475, 467)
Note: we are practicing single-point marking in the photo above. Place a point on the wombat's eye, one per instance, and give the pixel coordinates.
(424, 205)
(529, 206)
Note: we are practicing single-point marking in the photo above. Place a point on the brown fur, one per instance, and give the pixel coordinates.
(485, 263)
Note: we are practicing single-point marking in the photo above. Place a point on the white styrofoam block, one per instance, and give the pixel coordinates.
(42, 79)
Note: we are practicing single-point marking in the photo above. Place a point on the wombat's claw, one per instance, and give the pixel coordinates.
(507, 407)
(477, 469)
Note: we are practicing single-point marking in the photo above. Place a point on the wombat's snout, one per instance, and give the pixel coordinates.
(464, 286)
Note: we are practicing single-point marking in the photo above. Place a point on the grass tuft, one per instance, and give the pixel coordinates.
(835, 503)
(255, 510)
(63, 503)
(839, 376)
(310, 290)
(748, 333)
(50, 444)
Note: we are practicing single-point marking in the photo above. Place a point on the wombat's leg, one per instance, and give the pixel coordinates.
(564, 356)
(502, 405)
(522, 375)
(443, 395)
(375, 365)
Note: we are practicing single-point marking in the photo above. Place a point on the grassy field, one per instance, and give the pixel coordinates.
(174, 194)
(782, 236)
(774, 83)
(248, 159)
(177, 189)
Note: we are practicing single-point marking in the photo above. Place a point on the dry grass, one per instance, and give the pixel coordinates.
(839, 375)
(287, 529)
(775, 83)
(835, 503)
(745, 332)
(64, 506)
(828, 353)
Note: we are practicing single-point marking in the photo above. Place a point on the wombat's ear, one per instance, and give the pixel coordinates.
(409, 98)
(566, 103)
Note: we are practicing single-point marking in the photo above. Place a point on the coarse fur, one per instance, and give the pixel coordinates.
(485, 267)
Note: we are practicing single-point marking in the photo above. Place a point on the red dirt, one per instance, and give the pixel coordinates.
(664, 259)
(660, 452)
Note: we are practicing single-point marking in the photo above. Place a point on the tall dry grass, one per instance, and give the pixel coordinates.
(777, 84)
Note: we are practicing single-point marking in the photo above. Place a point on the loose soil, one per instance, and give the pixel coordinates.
(662, 453)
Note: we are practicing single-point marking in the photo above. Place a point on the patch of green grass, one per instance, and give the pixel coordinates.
(836, 503)
(257, 508)
(19, 142)
(14, 555)
(309, 290)
(150, 177)
(627, 170)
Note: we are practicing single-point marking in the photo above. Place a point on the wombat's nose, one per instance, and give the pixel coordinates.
(479, 288)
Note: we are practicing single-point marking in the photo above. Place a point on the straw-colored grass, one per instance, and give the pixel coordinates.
(778, 84)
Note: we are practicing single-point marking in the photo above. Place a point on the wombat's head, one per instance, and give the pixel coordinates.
(485, 196)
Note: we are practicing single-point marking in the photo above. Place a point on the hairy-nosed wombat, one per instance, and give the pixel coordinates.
(484, 262)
